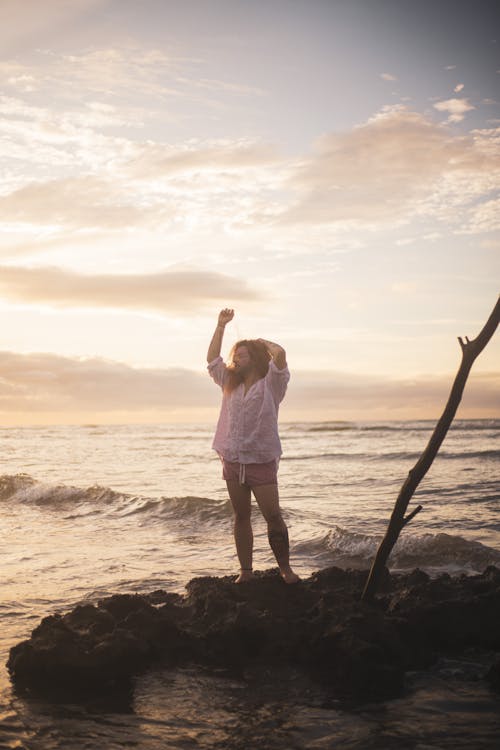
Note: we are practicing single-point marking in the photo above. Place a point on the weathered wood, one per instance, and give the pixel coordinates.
(398, 520)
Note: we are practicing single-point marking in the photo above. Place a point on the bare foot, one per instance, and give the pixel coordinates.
(244, 576)
(289, 576)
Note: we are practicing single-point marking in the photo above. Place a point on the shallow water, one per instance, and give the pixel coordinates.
(89, 511)
(447, 707)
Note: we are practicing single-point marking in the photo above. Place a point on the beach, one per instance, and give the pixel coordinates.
(91, 511)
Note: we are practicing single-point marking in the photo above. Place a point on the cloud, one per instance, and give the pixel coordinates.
(154, 160)
(397, 165)
(38, 135)
(89, 202)
(458, 88)
(123, 184)
(51, 241)
(114, 74)
(484, 218)
(51, 383)
(60, 386)
(457, 108)
(388, 77)
(166, 292)
(136, 82)
(353, 396)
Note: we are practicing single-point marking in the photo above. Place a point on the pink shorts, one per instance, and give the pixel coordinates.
(252, 475)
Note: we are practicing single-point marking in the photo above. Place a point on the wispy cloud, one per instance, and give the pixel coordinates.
(171, 291)
(51, 241)
(484, 218)
(87, 202)
(123, 183)
(135, 84)
(161, 160)
(116, 74)
(396, 166)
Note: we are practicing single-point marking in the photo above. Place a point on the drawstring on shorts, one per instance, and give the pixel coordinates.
(242, 476)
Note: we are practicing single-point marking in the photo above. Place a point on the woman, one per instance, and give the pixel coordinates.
(247, 441)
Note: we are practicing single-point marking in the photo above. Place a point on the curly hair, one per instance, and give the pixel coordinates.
(259, 356)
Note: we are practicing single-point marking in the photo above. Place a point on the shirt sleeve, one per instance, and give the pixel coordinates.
(278, 380)
(217, 370)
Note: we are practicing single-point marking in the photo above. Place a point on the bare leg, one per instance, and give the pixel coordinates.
(240, 497)
(268, 501)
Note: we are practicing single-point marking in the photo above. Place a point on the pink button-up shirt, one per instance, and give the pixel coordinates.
(247, 430)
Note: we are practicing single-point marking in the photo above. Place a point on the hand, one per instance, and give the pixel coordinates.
(225, 316)
(270, 345)
(276, 351)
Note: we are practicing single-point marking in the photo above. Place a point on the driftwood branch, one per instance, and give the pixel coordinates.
(470, 350)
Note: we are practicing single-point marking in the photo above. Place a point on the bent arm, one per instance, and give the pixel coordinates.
(216, 343)
(277, 353)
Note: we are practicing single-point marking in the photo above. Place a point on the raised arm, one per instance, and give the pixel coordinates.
(216, 343)
(277, 353)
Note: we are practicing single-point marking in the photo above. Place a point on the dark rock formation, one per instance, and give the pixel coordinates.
(319, 626)
(493, 675)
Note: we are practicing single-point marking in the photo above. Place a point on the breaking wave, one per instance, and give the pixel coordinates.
(433, 552)
(24, 489)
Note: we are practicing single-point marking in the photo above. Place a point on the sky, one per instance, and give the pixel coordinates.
(329, 169)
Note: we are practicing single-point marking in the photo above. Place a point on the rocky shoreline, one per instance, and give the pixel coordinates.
(361, 651)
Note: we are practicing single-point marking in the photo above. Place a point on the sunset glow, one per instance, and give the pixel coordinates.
(329, 170)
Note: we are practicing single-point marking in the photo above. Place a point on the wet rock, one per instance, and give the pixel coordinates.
(362, 657)
(451, 614)
(493, 675)
(86, 619)
(95, 647)
(319, 626)
(417, 577)
(121, 605)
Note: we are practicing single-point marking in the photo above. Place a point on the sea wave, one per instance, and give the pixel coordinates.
(335, 427)
(464, 454)
(24, 489)
(489, 453)
(191, 508)
(439, 552)
(444, 454)
(315, 456)
(387, 427)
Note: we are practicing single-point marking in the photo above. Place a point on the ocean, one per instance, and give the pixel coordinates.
(92, 510)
